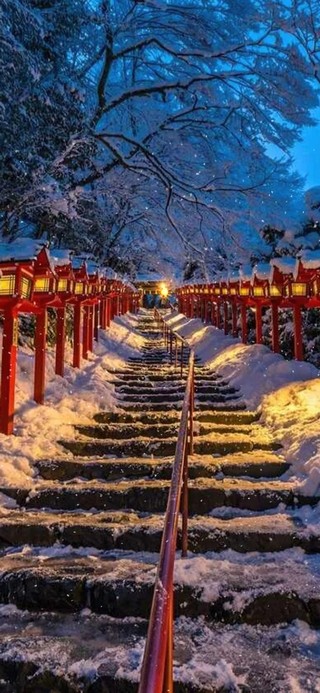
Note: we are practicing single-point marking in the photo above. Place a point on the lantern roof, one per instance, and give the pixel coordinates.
(43, 260)
(286, 265)
(310, 259)
(80, 271)
(262, 271)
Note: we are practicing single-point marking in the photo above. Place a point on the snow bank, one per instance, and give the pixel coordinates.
(286, 392)
(71, 400)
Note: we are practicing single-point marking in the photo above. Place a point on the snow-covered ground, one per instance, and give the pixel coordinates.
(286, 392)
(71, 400)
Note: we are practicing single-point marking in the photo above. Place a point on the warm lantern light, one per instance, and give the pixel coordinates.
(232, 292)
(225, 291)
(79, 288)
(217, 290)
(298, 289)
(258, 291)
(62, 285)
(7, 285)
(274, 290)
(244, 291)
(42, 284)
(25, 287)
(164, 291)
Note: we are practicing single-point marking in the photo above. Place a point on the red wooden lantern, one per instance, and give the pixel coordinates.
(44, 295)
(64, 292)
(234, 290)
(261, 281)
(260, 294)
(309, 271)
(16, 288)
(245, 293)
(81, 282)
(295, 295)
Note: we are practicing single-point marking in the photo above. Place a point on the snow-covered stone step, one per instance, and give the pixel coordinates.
(241, 417)
(130, 531)
(227, 404)
(215, 444)
(205, 495)
(251, 464)
(146, 377)
(90, 653)
(231, 588)
(123, 431)
(162, 389)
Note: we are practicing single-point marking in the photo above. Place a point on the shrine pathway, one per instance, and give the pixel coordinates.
(79, 553)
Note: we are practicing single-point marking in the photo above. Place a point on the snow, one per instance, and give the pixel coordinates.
(310, 259)
(22, 249)
(246, 273)
(286, 392)
(287, 265)
(262, 270)
(71, 400)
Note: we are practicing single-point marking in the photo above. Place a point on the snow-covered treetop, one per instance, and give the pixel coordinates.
(143, 129)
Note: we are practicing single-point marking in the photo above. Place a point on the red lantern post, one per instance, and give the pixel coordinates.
(16, 285)
(64, 292)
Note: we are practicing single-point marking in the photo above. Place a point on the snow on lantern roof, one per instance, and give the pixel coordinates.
(262, 271)
(78, 262)
(21, 248)
(246, 273)
(310, 259)
(286, 265)
(93, 268)
(60, 256)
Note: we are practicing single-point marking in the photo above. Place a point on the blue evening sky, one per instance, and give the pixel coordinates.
(306, 154)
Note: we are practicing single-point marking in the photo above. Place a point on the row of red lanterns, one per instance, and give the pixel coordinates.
(284, 283)
(31, 285)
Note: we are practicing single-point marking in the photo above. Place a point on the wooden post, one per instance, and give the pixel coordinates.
(90, 326)
(275, 328)
(60, 340)
(226, 317)
(40, 356)
(103, 313)
(109, 303)
(218, 316)
(77, 325)
(96, 321)
(244, 326)
(8, 371)
(234, 319)
(298, 344)
(259, 324)
(85, 329)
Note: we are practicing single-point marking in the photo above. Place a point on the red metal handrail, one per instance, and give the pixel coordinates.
(169, 337)
(157, 665)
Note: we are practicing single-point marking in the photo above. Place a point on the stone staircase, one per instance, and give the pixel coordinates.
(79, 553)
